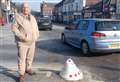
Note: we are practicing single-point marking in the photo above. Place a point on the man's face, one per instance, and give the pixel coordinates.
(25, 9)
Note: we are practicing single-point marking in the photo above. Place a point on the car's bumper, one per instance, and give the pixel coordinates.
(106, 47)
(105, 50)
(45, 26)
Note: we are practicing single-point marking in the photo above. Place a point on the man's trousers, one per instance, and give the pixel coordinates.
(25, 58)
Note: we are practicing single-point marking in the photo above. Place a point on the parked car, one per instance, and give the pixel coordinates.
(94, 35)
(44, 23)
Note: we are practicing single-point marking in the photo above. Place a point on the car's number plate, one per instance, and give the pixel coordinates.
(114, 46)
(46, 24)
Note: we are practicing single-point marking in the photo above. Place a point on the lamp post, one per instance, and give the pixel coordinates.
(7, 9)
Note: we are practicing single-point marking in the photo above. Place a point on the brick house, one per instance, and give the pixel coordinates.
(47, 9)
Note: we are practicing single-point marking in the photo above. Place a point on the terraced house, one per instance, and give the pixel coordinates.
(102, 9)
(70, 10)
(47, 9)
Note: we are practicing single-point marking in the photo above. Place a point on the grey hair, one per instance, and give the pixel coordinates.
(22, 5)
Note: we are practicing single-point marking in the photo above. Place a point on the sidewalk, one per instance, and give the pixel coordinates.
(6, 35)
(45, 72)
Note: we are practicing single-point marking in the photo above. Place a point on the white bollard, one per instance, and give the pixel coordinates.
(71, 72)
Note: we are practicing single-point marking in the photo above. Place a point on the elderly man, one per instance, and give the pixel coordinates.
(26, 34)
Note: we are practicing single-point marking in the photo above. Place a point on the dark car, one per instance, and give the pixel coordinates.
(44, 23)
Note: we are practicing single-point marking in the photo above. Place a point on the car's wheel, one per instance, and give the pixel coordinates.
(63, 38)
(85, 48)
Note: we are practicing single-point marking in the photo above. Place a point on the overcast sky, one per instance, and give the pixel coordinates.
(35, 4)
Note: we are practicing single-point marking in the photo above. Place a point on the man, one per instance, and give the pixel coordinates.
(26, 34)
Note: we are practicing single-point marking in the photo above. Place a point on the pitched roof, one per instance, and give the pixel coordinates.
(50, 4)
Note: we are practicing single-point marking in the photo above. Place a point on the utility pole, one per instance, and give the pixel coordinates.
(103, 9)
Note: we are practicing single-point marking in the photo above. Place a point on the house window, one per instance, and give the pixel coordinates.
(76, 6)
(71, 7)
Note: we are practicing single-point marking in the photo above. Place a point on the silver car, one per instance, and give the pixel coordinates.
(94, 35)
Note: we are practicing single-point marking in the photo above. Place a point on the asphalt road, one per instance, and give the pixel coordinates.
(51, 53)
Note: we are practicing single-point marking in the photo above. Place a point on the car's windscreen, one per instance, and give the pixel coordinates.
(107, 25)
(44, 20)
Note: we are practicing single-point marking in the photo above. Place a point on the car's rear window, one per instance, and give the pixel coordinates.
(107, 25)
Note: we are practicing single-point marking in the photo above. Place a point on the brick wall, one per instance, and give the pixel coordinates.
(47, 9)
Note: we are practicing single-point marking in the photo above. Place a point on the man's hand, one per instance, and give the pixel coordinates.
(28, 38)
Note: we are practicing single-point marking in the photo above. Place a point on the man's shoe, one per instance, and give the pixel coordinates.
(30, 72)
(21, 78)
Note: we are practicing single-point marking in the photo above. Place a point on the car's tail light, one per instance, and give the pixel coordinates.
(98, 35)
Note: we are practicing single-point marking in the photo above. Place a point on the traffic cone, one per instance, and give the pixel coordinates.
(71, 72)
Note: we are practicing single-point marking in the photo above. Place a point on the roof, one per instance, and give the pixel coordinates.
(60, 3)
(49, 4)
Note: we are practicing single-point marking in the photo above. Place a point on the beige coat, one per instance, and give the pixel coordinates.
(26, 31)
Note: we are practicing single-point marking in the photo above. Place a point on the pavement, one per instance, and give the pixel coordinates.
(45, 72)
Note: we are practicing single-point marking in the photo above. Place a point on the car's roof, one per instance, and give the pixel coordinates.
(99, 19)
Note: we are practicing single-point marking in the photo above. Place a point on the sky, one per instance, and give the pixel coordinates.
(35, 4)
